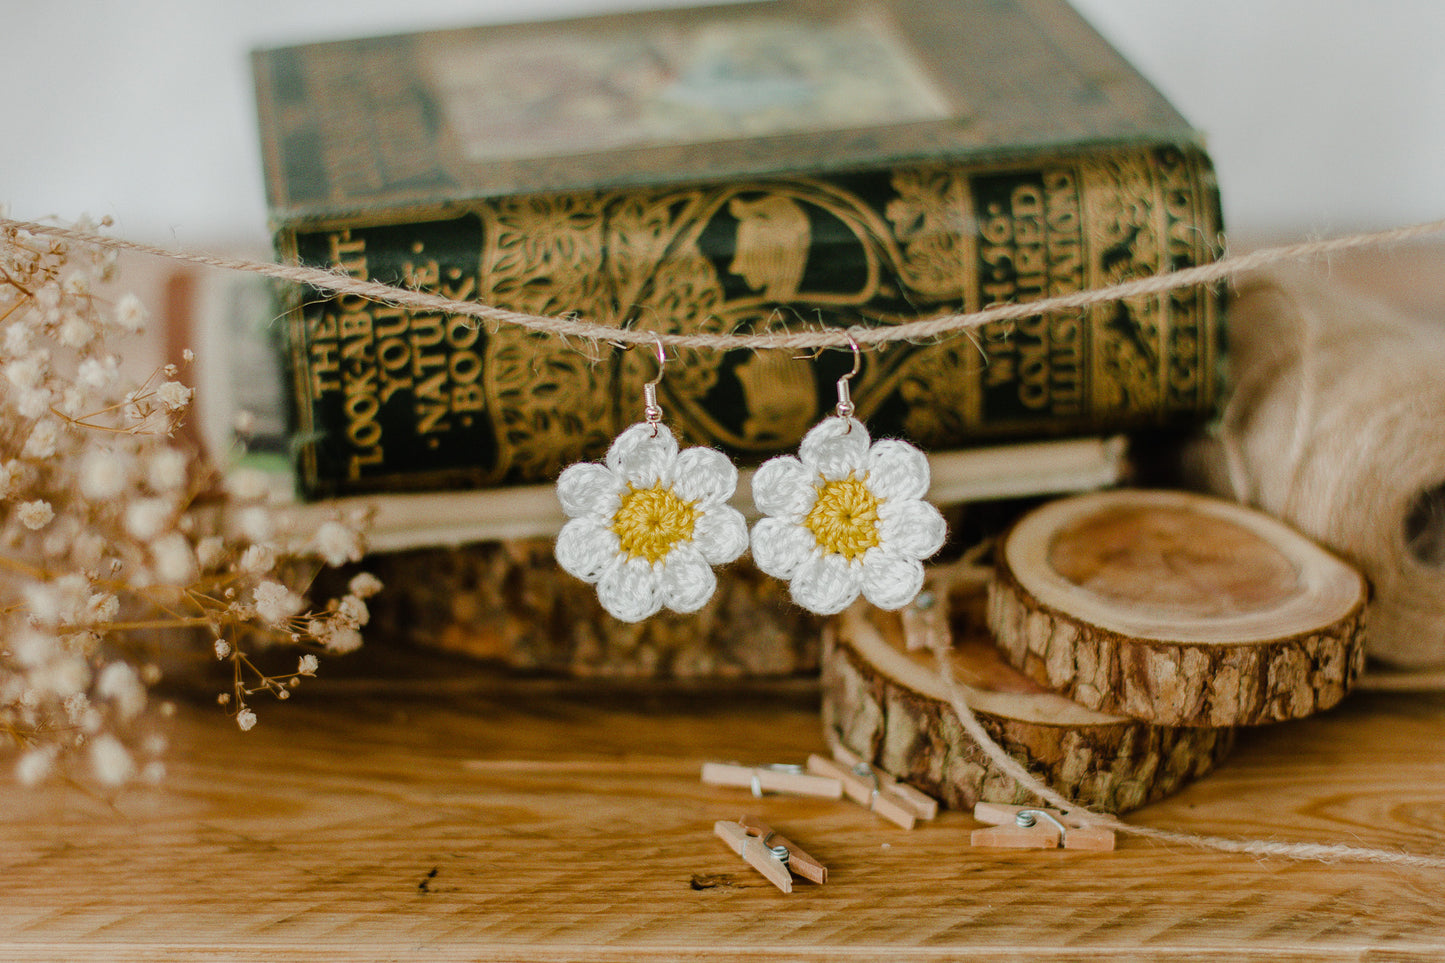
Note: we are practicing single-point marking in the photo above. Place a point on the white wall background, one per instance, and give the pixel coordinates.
(1324, 116)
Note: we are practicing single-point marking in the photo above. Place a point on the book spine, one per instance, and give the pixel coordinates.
(390, 400)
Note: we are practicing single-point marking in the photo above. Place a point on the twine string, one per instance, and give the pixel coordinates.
(1315, 852)
(921, 330)
(1333, 427)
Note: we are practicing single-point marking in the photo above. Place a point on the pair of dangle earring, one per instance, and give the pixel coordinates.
(843, 517)
(846, 515)
(648, 523)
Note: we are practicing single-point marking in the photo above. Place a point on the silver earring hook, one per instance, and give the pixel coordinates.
(651, 410)
(845, 399)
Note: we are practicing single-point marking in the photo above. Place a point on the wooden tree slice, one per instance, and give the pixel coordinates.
(1177, 609)
(886, 703)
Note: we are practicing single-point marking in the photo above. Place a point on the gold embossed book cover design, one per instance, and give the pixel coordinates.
(388, 399)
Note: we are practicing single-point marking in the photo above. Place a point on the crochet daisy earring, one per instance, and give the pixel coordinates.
(846, 515)
(649, 522)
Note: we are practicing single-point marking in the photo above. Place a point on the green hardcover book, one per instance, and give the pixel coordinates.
(739, 168)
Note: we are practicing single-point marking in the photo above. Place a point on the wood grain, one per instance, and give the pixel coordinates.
(450, 817)
(1177, 609)
(883, 700)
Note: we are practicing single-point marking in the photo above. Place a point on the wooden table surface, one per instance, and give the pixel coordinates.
(453, 816)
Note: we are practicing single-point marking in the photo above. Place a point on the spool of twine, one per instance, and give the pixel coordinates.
(1337, 425)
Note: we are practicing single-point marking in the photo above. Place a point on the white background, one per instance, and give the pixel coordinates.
(1323, 116)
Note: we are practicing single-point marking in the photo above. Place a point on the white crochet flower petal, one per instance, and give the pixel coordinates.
(911, 528)
(588, 488)
(890, 581)
(781, 546)
(782, 486)
(643, 455)
(834, 447)
(687, 579)
(897, 470)
(586, 547)
(631, 591)
(704, 475)
(720, 534)
(826, 584)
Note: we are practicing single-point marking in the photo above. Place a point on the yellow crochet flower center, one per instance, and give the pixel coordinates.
(844, 520)
(652, 520)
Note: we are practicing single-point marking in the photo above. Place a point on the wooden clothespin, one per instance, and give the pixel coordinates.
(763, 779)
(925, 805)
(1036, 827)
(771, 854)
(876, 790)
(925, 620)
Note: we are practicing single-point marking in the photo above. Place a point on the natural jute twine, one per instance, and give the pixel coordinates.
(1335, 425)
(1315, 852)
(338, 283)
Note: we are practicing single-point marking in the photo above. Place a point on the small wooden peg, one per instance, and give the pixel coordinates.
(781, 779)
(751, 849)
(867, 791)
(799, 862)
(755, 842)
(925, 621)
(923, 804)
(1037, 827)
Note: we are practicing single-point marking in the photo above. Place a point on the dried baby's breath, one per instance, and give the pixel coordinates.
(113, 530)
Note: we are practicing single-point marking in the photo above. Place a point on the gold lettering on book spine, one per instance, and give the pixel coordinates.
(1099, 219)
(755, 257)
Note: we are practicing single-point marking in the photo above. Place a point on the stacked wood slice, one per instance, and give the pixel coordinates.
(1116, 643)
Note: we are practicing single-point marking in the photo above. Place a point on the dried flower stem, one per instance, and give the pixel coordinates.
(101, 548)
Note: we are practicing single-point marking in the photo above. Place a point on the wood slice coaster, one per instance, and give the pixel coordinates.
(886, 703)
(1177, 609)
